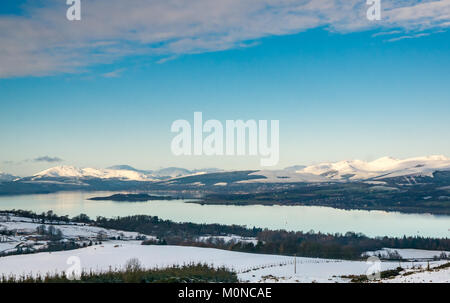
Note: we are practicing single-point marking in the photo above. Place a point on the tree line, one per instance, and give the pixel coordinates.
(350, 245)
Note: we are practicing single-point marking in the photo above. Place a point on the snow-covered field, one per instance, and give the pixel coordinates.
(23, 233)
(250, 267)
(68, 230)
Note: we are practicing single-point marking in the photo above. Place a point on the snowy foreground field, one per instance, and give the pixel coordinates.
(117, 247)
(250, 267)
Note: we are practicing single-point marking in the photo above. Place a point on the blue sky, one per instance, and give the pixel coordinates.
(341, 90)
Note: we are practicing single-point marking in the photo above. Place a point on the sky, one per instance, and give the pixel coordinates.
(105, 90)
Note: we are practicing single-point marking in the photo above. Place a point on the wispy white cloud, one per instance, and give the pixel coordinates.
(114, 74)
(409, 37)
(166, 59)
(45, 159)
(48, 159)
(395, 32)
(43, 42)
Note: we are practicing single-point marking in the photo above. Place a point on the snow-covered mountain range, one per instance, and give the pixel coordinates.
(118, 172)
(386, 167)
(349, 170)
(73, 172)
(381, 168)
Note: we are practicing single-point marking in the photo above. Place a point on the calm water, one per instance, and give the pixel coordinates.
(297, 218)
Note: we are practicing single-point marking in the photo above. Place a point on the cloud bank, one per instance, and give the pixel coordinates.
(48, 159)
(41, 41)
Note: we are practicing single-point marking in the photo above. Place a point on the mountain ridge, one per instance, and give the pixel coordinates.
(346, 170)
(4, 177)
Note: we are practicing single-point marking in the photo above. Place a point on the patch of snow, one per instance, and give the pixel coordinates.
(383, 188)
(408, 254)
(69, 230)
(422, 276)
(375, 182)
(284, 176)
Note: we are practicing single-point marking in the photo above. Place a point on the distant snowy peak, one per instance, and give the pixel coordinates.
(80, 173)
(121, 172)
(381, 168)
(355, 170)
(168, 172)
(172, 172)
(295, 168)
(123, 167)
(163, 173)
(6, 177)
(60, 171)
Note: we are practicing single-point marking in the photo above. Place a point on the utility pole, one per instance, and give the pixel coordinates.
(295, 264)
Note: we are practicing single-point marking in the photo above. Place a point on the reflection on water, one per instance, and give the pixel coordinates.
(297, 218)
